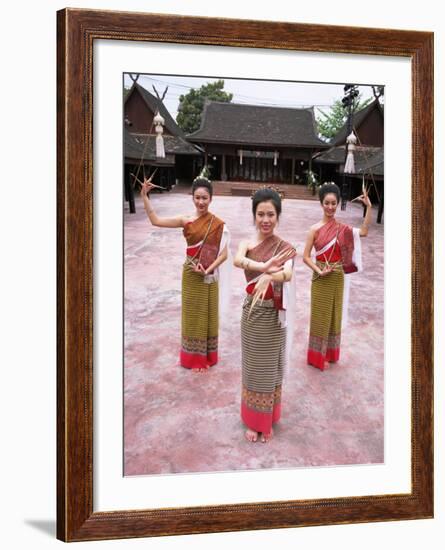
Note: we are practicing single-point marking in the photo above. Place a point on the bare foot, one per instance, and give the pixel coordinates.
(201, 370)
(326, 365)
(266, 437)
(251, 436)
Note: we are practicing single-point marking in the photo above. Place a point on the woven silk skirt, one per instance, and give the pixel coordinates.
(199, 327)
(263, 347)
(326, 315)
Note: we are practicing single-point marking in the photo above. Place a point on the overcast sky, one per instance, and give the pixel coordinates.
(256, 92)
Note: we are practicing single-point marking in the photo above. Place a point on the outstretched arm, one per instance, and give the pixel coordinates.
(366, 222)
(273, 264)
(243, 262)
(155, 220)
(363, 232)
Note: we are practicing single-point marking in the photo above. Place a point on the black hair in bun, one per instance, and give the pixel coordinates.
(201, 181)
(328, 187)
(265, 195)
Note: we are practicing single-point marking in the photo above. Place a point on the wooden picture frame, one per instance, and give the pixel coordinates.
(77, 31)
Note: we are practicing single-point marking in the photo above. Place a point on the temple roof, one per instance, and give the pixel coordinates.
(374, 164)
(366, 159)
(256, 125)
(142, 146)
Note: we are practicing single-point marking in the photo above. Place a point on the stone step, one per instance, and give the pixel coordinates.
(243, 188)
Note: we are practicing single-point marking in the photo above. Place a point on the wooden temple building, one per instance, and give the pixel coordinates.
(249, 144)
(256, 143)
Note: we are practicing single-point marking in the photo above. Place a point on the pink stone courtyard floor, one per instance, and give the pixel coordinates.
(179, 421)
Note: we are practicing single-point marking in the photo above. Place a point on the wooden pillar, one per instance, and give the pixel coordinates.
(309, 166)
(321, 176)
(129, 192)
(380, 211)
(293, 170)
(223, 168)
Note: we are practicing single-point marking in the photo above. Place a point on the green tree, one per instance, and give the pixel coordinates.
(126, 91)
(330, 123)
(191, 104)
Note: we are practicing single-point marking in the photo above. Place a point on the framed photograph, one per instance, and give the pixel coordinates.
(145, 447)
(254, 134)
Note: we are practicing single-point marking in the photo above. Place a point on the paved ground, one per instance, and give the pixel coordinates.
(179, 421)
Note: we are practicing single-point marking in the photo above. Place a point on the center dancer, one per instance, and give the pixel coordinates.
(268, 265)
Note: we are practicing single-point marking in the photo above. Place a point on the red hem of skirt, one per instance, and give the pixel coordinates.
(332, 355)
(258, 421)
(197, 361)
(318, 360)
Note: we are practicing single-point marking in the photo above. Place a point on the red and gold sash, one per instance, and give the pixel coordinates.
(342, 239)
(265, 250)
(203, 237)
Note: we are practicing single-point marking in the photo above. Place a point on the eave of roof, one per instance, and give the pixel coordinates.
(142, 146)
(336, 155)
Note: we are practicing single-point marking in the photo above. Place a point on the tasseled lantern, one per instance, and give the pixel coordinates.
(351, 140)
(158, 121)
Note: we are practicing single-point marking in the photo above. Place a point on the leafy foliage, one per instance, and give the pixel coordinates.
(330, 123)
(191, 104)
(126, 91)
(311, 180)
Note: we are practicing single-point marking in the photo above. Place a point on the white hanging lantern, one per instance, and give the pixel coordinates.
(159, 121)
(240, 157)
(351, 140)
(275, 158)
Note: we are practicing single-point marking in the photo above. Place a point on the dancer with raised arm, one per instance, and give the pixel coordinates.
(207, 249)
(337, 252)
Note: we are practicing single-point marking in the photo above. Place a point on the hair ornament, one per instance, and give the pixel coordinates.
(203, 175)
(277, 190)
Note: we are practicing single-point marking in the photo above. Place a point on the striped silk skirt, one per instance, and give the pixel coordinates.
(326, 313)
(263, 351)
(199, 327)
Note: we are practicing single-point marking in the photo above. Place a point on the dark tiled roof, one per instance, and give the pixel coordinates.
(136, 147)
(154, 105)
(174, 145)
(257, 125)
(336, 155)
(357, 119)
(373, 163)
(366, 159)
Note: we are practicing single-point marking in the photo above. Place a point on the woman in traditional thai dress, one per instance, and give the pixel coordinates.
(207, 248)
(268, 265)
(337, 252)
